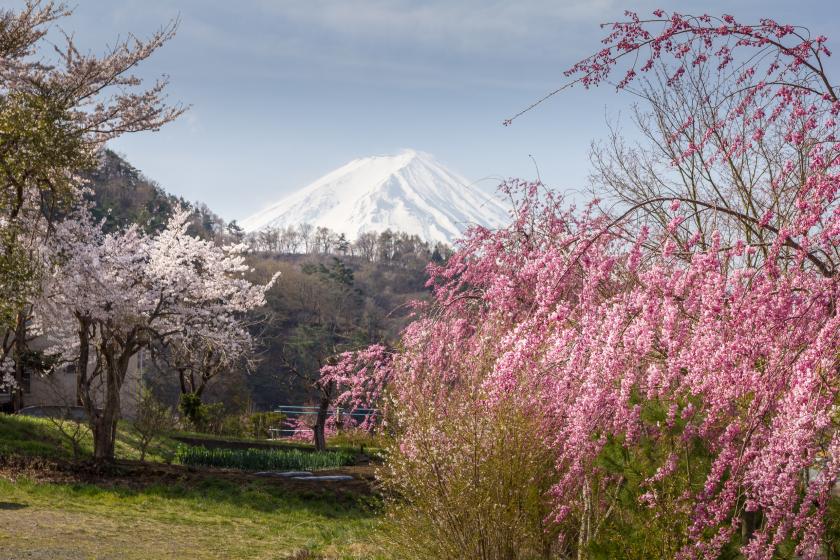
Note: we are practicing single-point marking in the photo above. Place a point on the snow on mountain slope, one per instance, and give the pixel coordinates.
(410, 192)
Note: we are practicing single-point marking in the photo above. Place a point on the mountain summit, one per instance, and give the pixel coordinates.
(410, 192)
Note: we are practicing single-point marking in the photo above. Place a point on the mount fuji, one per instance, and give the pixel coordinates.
(409, 192)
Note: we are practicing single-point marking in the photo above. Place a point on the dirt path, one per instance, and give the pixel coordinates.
(44, 534)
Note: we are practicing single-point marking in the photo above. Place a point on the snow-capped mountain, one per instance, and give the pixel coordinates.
(410, 192)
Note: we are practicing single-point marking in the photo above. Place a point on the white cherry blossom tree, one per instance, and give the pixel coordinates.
(58, 108)
(110, 295)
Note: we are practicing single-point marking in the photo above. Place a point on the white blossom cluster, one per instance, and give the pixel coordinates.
(7, 375)
(131, 289)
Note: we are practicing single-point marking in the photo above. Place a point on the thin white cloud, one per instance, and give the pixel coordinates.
(463, 25)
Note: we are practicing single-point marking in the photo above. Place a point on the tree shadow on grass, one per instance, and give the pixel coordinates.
(327, 500)
(10, 506)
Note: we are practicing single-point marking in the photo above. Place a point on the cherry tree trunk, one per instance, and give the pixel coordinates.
(320, 425)
(19, 349)
(104, 437)
(104, 423)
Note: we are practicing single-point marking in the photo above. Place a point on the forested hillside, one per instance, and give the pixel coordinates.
(322, 305)
(122, 195)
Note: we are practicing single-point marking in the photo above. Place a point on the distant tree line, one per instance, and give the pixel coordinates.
(389, 247)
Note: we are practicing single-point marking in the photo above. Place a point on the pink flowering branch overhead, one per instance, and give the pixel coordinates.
(746, 118)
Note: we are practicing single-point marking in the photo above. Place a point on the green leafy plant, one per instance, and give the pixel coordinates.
(192, 410)
(153, 420)
(259, 423)
(263, 459)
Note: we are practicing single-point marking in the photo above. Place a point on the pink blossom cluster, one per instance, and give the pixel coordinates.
(774, 75)
(360, 378)
(298, 429)
(563, 317)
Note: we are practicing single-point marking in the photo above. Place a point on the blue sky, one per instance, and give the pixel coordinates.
(283, 91)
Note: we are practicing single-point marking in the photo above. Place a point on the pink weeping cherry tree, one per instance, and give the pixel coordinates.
(110, 295)
(698, 319)
(358, 380)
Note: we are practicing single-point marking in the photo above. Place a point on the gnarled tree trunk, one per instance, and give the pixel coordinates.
(19, 351)
(104, 425)
(112, 359)
(320, 424)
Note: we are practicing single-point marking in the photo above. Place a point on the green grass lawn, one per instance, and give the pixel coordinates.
(178, 513)
(212, 519)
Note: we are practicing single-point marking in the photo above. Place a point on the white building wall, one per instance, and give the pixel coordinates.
(59, 388)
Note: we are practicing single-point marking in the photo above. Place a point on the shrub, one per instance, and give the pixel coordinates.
(74, 433)
(153, 420)
(193, 411)
(210, 418)
(471, 484)
(258, 423)
(298, 429)
(230, 425)
(357, 438)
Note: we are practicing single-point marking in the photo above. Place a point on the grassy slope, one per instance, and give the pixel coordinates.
(25, 435)
(43, 437)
